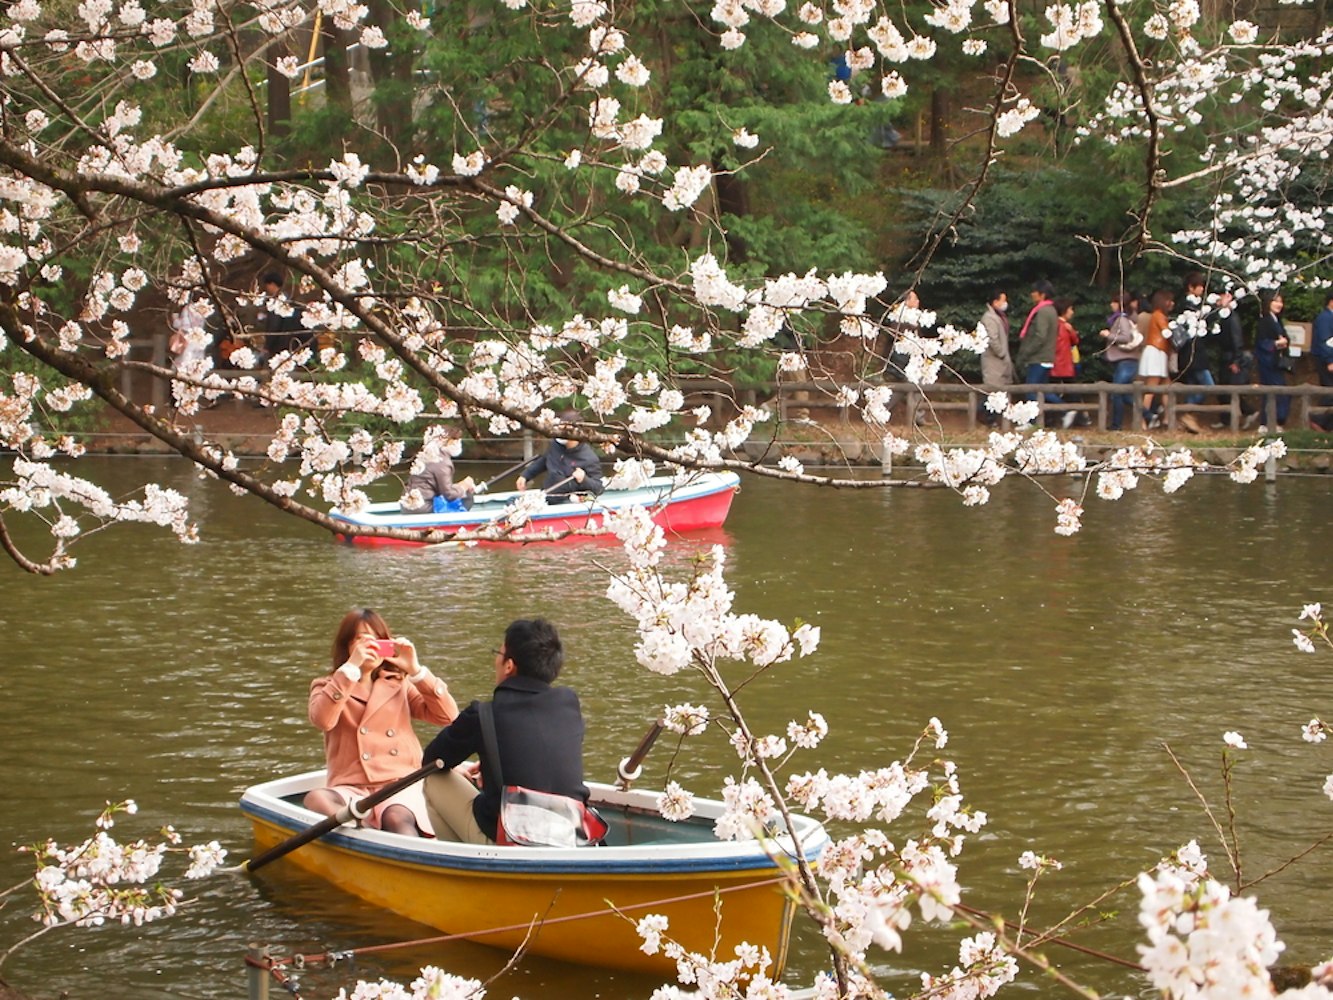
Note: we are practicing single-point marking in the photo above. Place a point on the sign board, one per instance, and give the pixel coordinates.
(1298, 337)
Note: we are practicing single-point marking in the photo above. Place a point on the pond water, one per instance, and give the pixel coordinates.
(177, 675)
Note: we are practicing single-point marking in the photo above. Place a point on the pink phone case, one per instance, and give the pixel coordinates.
(385, 647)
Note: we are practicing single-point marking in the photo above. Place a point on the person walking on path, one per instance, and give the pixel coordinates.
(997, 367)
(1124, 344)
(1155, 361)
(1270, 353)
(1036, 348)
(1322, 351)
(1189, 338)
(1066, 365)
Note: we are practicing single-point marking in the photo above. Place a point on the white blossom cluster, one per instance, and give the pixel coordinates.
(748, 974)
(63, 501)
(874, 885)
(984, 966)
(102, 880)
(1304, 638)
(1203, 941)
(681, 624)
(432, 984)
(1257, 229)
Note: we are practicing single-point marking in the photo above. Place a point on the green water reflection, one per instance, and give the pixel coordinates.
(177, 675)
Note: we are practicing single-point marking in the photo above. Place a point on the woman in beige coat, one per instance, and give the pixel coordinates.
(365, 706)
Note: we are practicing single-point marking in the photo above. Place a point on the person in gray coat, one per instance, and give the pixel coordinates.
(997, 368)
(431, 488)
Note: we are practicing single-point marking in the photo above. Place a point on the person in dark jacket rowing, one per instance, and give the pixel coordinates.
(570, 467)
(538, 736)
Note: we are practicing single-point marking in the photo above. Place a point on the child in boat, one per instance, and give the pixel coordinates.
(539, 738)
(365, 706)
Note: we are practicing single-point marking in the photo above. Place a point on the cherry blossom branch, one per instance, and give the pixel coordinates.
(1208, 811)
(1152, 171)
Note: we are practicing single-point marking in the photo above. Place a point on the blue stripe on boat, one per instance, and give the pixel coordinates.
(598, 861)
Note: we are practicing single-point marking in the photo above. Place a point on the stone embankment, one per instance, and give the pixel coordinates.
(246, 430)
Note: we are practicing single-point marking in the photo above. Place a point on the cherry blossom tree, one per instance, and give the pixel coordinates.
(560, 245)
(541, 222)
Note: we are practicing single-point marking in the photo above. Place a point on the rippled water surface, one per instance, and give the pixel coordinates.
(177, 675)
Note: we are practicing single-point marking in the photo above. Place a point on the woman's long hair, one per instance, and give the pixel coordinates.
(348, 629)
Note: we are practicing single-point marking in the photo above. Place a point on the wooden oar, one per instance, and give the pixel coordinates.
(495, 479)
(349, 812)
(556, 486)
(631, 767)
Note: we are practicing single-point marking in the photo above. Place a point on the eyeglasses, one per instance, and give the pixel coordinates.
(500, 652)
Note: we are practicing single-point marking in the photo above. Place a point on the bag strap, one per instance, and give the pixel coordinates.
(492, 773)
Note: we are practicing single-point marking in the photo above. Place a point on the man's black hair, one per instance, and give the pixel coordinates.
(534, 646)
(272, 278)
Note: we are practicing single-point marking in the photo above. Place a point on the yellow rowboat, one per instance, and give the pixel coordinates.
(493, 894)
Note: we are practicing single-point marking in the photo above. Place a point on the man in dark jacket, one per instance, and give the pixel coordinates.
(280, 319)
(1322, 350)
(570, 466)
(1036, 340)
(538, 736)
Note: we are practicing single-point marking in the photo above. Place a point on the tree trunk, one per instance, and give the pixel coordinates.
(337, 74)
(279, 93)
(733, 198)
(393, 67)
(940, 105)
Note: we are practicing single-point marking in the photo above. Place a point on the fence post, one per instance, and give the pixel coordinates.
(160, 359)
(256, 972)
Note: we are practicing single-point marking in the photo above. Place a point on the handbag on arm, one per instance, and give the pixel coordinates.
(530, 818)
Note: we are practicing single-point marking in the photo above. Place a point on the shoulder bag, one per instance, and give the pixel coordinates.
(530, 818)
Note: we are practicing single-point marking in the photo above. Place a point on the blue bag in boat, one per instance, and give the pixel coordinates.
(440, 505)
